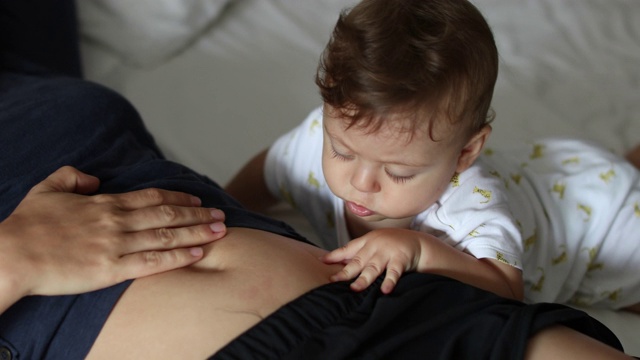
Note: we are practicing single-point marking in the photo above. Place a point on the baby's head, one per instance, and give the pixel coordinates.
(407, 87)
(436, 59)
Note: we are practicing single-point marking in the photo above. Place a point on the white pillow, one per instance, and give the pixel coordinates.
(146, 32)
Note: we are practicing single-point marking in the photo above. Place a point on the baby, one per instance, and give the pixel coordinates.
(393, 174)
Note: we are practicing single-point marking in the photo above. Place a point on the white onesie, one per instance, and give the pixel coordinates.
(564, 211)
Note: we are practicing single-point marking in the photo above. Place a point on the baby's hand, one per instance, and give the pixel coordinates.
(396, 250)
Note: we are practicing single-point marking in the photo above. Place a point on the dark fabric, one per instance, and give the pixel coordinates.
(39, 37)
(426, 317)
(50, 122)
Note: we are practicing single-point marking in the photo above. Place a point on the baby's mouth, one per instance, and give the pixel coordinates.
(358, 209)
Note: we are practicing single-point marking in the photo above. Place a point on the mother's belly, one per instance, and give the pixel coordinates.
(193, 312)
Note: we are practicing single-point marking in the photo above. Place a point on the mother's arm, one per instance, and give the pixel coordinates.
(59, 241)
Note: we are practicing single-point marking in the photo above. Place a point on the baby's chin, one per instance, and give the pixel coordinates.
(382, 221)
(373, 216)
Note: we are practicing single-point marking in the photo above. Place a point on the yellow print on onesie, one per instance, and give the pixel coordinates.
(312, 180)
(500, 257)
(540, 283)
(537, 152)
(607, 176)
(314, 124)
(455, 180)
(531, 241)
(485, 194)
(586, 212)
(614, 295)
(581, 300)
(571, 160)
(516, 178)
(592, 265)
(475, 231)
(559, 188)
(562, 257)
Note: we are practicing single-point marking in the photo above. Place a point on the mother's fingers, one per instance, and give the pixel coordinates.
(68, 179)
(149, 197)
(172, 238)
(166, 216)
(152, 262)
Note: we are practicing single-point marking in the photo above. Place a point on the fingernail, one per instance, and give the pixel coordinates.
(217, 214)
(196, 252)
(217, 227)
(195, 201)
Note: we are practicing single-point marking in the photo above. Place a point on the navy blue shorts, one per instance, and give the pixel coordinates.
(425, 317)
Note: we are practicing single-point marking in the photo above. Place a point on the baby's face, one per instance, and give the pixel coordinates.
(388, 174)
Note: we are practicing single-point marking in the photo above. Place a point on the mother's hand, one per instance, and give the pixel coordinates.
(58, 241)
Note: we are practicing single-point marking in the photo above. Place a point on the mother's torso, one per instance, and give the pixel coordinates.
(193, 312)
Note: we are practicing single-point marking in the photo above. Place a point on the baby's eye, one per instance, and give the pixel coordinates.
(337, 155)
(398, 179)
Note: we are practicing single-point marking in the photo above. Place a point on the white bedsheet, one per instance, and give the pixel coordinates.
(244, 75)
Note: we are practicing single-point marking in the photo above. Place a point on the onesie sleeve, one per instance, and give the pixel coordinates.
(293, 160)
(474, 216)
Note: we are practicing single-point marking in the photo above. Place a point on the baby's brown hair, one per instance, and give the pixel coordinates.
(426, 58)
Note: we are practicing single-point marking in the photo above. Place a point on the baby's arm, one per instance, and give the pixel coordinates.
(249, 186)
(401, 250)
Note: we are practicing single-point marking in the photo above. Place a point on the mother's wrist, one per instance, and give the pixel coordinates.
(12, 286)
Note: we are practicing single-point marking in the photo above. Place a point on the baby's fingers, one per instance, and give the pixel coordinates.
(343, 254)
(349, 271)
(368, 275)
(394, 272)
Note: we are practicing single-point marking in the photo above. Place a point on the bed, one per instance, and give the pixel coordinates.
(218, 80)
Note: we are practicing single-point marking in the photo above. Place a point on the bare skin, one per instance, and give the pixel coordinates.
(242, 278)
(562, 343)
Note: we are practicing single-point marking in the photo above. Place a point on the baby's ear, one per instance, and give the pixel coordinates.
(472, 149)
